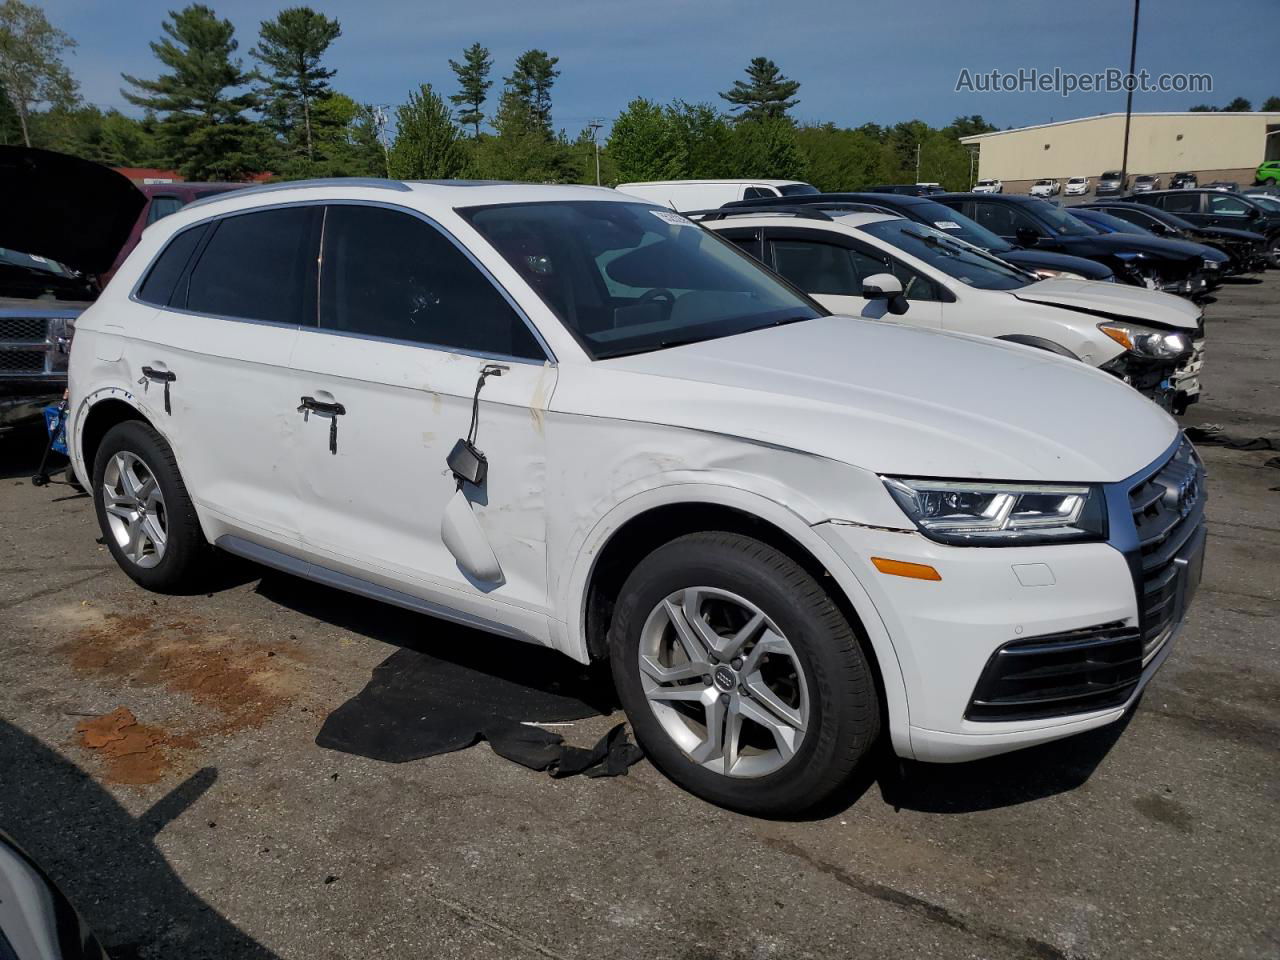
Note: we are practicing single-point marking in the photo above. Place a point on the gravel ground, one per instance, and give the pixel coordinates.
(157, 755)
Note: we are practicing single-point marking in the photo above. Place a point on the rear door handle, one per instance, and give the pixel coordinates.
(332, 408)
(152, 375)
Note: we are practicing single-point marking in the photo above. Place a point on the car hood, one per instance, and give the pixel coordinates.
(1030, 259)
(67, 209)
(1117, 243)
(897, 399)
(1230, 233)
(1117, 300)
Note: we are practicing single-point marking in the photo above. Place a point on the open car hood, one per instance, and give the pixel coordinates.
(57, 206)
(1117, 300)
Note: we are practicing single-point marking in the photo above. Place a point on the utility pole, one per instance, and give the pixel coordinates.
(594, 126)
(917, 163)
(973, 156)
(1128, 105)
(380, 125)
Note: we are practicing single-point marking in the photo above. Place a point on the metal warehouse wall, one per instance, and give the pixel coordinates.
(1158, 142)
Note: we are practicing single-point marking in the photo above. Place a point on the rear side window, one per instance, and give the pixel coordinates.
(162, 279)
(162, 206)
(389, 274)
(259, 266)
(1180, 203)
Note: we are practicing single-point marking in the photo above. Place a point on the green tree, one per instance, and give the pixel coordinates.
(765, 94)
(427, 144)
(31, 67)
(473, 84)
(523, 149)
(531, 80)
(645, 145)
(291, 47)
(767, 148)
(10, 123)
(705, 136)
(1238, 105)
(969, 126)
(1270, 104)
(842, 159)
(202, 127)
(1203, 108)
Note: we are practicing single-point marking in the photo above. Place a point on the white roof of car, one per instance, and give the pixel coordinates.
(733, 180)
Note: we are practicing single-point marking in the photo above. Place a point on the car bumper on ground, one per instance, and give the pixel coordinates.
(25, 409)
(1017, 646)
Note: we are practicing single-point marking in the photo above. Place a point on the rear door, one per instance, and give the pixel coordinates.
(212, 362)
(831, 267)
(384, 387)
(1188, 205)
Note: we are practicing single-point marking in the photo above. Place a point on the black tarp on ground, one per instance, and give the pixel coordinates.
(418, 705)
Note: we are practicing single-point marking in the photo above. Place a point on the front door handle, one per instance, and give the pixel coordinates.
(334, 411)
(152, 375)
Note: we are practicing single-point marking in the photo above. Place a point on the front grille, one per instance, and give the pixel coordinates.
(22, 362)
(1167, 508)
(1061, 673)
(23, 329)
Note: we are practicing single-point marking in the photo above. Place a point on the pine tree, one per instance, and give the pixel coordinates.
(202, 127)
(645, 144)
(1271, 104)
(31, 67)
(427, 144)
(290, 47)
(531, 81)
(474, 84)
(765, 95)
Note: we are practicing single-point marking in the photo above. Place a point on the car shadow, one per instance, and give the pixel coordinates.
(526, 664)
(1241, 281)
(106, 861)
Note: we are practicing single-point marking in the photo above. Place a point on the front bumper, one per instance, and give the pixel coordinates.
(19, 408)
(945, 633)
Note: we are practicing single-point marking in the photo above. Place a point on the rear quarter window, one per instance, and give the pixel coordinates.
(168, 268)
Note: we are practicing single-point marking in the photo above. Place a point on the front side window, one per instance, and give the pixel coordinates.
(1004, 219)
(952, 257)
(1224, 206)
(818, 266)
(629, 277)
(389, 274)
(258, 266)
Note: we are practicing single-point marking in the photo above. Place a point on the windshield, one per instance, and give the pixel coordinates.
(629, 277)
(29, 260)
(797, 189)
(1110, 175)
(952, 257)
(1107, 222)
(1060, 221)
(1270, 204)
(986, 183)
(955, 224)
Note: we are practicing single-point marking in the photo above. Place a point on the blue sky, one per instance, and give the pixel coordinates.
(858, 60)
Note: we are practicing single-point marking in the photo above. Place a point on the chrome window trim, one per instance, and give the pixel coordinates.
(549, 358)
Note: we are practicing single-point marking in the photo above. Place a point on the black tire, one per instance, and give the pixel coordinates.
(844, 709)
(186, 549)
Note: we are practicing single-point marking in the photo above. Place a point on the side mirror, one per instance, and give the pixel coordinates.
(1254, 213)
(1026, 237)
(1159, 229)
(885, 286)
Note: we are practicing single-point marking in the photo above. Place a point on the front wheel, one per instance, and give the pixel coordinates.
(743, 681)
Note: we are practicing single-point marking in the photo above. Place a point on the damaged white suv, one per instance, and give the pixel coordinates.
(577, 419)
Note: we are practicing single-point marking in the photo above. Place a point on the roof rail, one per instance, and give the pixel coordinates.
(805, 211)
(375, 182)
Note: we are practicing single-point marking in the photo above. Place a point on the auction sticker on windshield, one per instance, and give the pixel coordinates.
(667, 216)
(946, 225)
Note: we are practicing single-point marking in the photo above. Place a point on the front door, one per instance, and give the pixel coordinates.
(384, 387)
(831, 268)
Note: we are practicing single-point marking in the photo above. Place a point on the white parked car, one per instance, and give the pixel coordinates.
(578, 419)
(1077, 187)
(1152, 340)
(988, 186)
(708, 194)
(1045, 188)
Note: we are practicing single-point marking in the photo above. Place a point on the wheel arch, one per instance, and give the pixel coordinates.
(640, 524)
(97, 414)
(1040, 343)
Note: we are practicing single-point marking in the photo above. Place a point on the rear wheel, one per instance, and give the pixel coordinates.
(742, 680)
(146, 516)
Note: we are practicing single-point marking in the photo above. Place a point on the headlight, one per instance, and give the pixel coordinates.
(1210, 264)
(1046, 274)
(1145, 342)
(978, 513)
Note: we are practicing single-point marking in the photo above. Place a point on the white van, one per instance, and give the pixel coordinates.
(708, 194)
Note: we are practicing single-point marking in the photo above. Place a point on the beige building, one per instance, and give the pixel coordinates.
(1214, 146)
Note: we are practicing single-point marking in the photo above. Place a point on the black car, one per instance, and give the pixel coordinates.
(1030, 222)
(1247, 249)
(1219, 208)
(1215, 262)
(1183, 181)
(906, 189)
(931, 213)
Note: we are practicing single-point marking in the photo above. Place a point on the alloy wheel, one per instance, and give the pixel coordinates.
(724, 682)
(135, 509)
